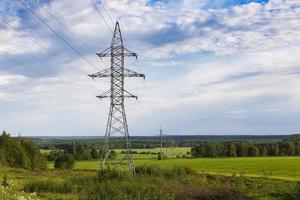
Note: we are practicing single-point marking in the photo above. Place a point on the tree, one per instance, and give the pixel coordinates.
(53, 155)
(231, 152)
(94, 154)
(112, 155)
(159, 156)
(290, 148)
(253, 151)
(297, 148)
(273, 150)
(242, 149)
(37, 160)
(263, 150)
(220, 150)
(65, 161)
(17, 152)
(210, 150)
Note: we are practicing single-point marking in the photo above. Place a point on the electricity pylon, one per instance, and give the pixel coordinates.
(117, 123)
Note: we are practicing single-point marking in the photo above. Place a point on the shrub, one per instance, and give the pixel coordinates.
(49, 186)
(53, 155)
(154, 170)
(159, 157)
(65, 161)
(110, 174)
(5, 181)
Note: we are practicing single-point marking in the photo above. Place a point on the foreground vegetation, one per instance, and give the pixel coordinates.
(150, 182)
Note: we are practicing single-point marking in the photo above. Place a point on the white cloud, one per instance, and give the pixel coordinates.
(244, 28)
(7, 79)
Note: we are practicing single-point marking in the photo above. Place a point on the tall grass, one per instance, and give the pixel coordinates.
(48, 185)
(157, 183)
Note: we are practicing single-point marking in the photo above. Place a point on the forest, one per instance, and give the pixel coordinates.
(289, 147)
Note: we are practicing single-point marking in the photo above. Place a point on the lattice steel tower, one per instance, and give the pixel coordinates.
(117, 123)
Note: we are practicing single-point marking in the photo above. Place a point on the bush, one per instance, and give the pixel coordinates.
(154, 170)
(53, 155)
(48, 186)
(65, 161)
(159, 157)
(5, 182)
(110, 174)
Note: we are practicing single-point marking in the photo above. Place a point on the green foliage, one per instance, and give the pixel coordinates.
(94, 154)
(253, 151)
(48, 185)
(64, 161)
(5, 181)
(20, 153)
(240, 149)
(53, 155)
(112, 155)
(231, 152)
(159, 156)
(154, 170)
(110, 174)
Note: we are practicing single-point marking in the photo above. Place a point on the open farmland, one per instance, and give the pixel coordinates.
(286, 168)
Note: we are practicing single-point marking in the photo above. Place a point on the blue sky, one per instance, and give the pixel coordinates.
(212, 67)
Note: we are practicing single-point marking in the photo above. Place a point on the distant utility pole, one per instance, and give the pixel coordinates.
(117, 123)
(161, 135)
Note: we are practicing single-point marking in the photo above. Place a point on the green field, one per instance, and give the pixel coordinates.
(287, 168)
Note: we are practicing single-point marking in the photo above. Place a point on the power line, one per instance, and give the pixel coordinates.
(64, 26)
(28, 37)
(56, 33)
(105, 10)
(102, 17)
(39, 45)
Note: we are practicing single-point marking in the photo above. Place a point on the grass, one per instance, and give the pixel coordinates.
(44, 151)
(151, 182)
(285, 168)
(274, 167)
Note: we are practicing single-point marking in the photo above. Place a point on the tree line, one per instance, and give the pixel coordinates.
(78, 150)
(21, 153)
(243, 148)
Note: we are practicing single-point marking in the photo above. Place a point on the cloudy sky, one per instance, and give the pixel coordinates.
(212, 66)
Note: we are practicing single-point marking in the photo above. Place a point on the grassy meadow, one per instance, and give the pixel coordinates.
(285, 168)
(149, 183)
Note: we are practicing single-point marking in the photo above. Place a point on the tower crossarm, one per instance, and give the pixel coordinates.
(108, 73)
(129, 53)
(108, 53)
(101, 74)
(126, 94)
(131, 73)
(107, 94)
(104, 95)
(129, 95)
